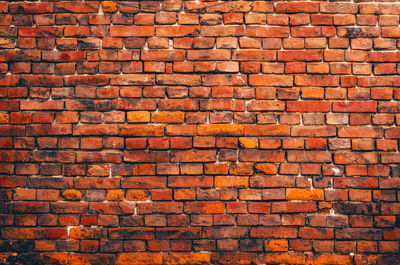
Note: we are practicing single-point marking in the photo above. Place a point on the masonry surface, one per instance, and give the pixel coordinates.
(250, 132)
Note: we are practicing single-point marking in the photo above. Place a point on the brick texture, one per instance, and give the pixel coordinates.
(248, 132)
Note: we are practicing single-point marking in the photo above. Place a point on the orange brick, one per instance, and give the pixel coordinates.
(304, 195)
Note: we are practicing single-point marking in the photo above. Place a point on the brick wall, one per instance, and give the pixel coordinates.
(251, 132)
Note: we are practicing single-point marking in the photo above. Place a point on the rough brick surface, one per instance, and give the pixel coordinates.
(248, 132)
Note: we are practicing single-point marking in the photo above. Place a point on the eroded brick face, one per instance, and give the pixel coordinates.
(252, 132)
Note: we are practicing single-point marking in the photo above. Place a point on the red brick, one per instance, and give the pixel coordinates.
(356, 131)
(139, 258)
(356, 158)
(220, 130)
(128, 31)
(316, 80)
(221, 31)
(204, 207)
(330, 258)
(354, 106)
(308, 106)
(300, 7)
(176, 31)
(193, 156)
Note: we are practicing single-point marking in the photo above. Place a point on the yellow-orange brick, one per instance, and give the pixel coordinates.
(115, 195)
(138, 116)
(72, 195)
(305, 195)
(109, 6)
(248, 142)
(220, 129)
